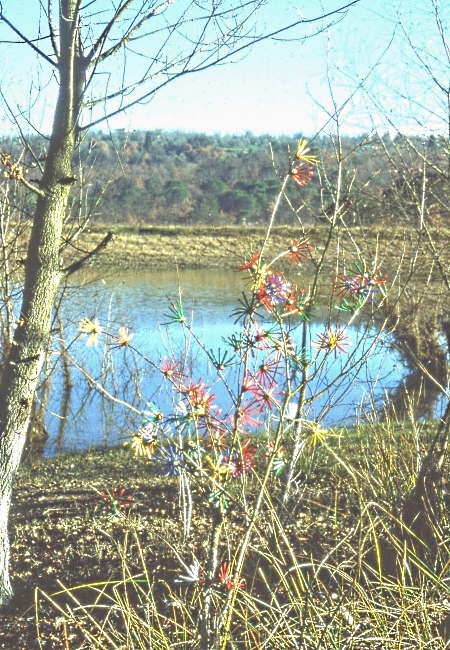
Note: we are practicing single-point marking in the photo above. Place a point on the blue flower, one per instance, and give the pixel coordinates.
(171, 461)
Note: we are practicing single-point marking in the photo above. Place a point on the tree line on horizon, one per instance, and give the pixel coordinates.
(144, 178)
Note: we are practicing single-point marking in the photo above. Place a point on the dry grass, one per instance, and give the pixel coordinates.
(86, 580)
(226, 246)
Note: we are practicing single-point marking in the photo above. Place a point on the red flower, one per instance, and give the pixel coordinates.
(251, 264)
(237, 465)
(117, 499)
(360, 285)
(227, 580)
(299, 251)
(274, 289)
(346, 285)
(294, 301)
(302, 174)
(259, 338)
(248, 384)
(370, 277)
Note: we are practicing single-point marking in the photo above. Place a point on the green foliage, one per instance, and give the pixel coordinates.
(208, 210)
(142, 174)
(234, 201)
(176, 193)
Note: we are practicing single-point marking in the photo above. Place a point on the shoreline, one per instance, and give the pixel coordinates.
(183, 246)
(225, 247)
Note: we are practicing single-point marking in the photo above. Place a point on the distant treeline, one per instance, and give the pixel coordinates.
(157, 177)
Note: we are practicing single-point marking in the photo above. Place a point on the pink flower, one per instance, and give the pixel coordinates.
(267, 372)
(198, 398)
(171, 370)
(245, 414)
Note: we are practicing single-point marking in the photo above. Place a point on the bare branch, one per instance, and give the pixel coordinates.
(76, 266)
(25, 39)
(31, 187)
(102, 40)
(205, 65)
(129, 37)
(52, 28)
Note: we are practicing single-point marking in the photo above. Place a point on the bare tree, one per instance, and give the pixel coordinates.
(414, 106)
(152, 43)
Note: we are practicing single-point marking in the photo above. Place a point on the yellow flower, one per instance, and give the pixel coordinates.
(301, 153)
(316, 435)
(90, 329)
(139, 447)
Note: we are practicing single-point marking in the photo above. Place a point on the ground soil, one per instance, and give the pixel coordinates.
(63, 534)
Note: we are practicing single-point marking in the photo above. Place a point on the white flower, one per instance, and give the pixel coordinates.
(194, 573)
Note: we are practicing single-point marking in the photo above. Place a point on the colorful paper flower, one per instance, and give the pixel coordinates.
(143, 442)
(198, 398)
(273, 289)
(302, 153)
(194, 574)
(267, 373)
(171, 370)
(302, 174)
(252, 263)
(176, 314)
(123, 340)
(299, 251)
(171, 461)
(116, 499)
(333, 341)
(219, 499)
(91, 329)
(247, 415)
(228, 581)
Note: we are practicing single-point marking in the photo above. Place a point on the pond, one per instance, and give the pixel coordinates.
(140, 300)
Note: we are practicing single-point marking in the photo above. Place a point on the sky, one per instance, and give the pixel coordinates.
(361, 69)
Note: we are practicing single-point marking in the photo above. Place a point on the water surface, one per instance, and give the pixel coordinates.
(140, 300)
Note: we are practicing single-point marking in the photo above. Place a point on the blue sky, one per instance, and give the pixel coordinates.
(278, 86)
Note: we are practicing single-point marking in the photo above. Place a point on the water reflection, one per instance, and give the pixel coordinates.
(139, 300)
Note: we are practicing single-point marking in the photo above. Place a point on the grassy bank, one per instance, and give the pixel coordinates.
(227, 246)
(349, 495)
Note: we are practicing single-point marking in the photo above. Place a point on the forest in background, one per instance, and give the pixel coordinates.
(156, 177)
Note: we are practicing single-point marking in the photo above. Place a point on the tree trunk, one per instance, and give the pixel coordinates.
(42, 276)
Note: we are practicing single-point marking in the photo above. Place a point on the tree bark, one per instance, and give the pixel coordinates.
(42, 276)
